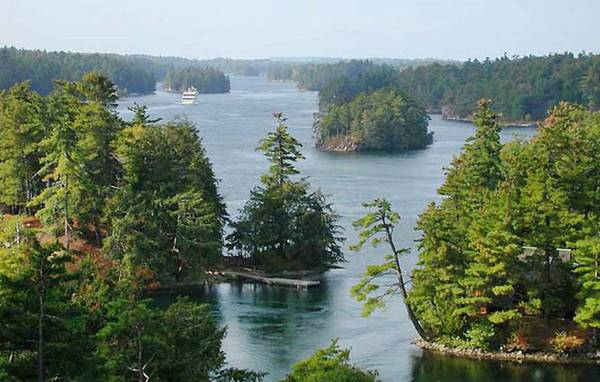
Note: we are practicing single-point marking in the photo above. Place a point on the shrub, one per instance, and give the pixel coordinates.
(564, 342)
(518, 341)
(480, 335)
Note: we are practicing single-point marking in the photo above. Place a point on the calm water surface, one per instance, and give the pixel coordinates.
(270, 328)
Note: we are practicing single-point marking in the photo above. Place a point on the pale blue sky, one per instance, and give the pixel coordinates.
(452, 29)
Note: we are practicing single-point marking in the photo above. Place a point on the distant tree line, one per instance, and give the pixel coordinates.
(523, 88)
(40, 68)
(317, 75)
(311, 76)
(131, 73)
(205, 80)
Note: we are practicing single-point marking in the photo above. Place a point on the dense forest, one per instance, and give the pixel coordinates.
(41, 68)
(205, 80)
(131, 73)
(383, 120)
(239, 67)
(523, 88)
(510, 258)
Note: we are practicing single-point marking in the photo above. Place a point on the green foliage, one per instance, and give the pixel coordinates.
(41, 332)
(167, 213)
(587, 260)
(480, 335)
(329, 364)
(78, 165)
(332, 79)
(383, 120)
(282, 150)
(378, 227)
(564, 342)
(129, 341)
(181, 343)
(21, 130)
(524, 88)
(204, 79)
(474, 272)
(283, 225)
(139, 203)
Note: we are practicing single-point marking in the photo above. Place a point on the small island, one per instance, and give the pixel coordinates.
(381, 121)
(206, 80)
(285, 226)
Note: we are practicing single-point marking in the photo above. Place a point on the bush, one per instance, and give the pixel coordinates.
(565, 343)
(480, 335)
(518, 341)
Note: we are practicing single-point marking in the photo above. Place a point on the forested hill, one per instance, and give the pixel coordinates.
(523, 88)
(131, 75)
(317, 75)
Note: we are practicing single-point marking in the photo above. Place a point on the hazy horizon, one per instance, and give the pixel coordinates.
(457, 30)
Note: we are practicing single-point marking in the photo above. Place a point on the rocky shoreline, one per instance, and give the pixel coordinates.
(340, 144)
(519, 357)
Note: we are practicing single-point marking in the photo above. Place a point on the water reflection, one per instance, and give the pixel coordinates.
(267, 327)
(433, 367)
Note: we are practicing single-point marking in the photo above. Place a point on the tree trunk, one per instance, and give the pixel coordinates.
(18, 229)
(67, 239)
(41, 377)
(140, 356)
(411, 314)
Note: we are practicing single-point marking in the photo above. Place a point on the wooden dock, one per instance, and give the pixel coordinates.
(264, 279)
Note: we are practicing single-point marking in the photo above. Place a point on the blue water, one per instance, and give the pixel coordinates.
(270, 328)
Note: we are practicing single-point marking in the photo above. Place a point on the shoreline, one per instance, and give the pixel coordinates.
(516, 357)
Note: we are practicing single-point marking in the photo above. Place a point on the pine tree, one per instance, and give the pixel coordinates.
(21, 130)
(587, 268)
(41, 328)
(378, 227)
(283, 150)
(167, 212)
(446, 247)
(61, 163)
(283, 225)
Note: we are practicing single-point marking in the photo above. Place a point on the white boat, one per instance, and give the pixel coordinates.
(189, 96)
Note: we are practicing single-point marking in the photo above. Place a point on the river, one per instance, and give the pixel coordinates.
(270, 328)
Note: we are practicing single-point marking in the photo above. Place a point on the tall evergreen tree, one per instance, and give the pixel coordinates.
(167, 212)
(61, 162)
(283, 225)
(21, 130)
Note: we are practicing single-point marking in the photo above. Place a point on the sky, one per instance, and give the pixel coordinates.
(450, 29)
